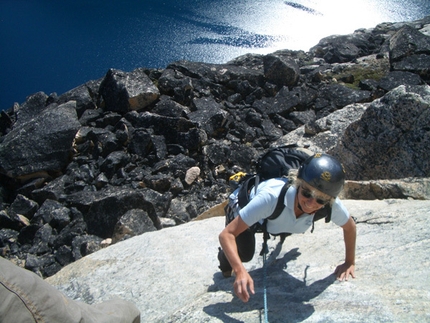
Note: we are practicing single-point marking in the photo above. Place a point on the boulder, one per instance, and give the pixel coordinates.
(123, 91)
(103, 209)
(41, 145)
(326, 132)
(396, 78)
(345, 48)
(408, 41)
(169, 108)
(391, 138)
(52, 213)
(85, 95)
(31, 108)
(24, 206)
(410, 52)
(280, 70)
(140, 142)
(210, 116)
(132, 223)
(336, 96)
(218, 73)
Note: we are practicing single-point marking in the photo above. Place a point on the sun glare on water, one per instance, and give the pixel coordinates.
(299, 25)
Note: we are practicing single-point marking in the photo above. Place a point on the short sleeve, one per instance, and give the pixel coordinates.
(339, 214)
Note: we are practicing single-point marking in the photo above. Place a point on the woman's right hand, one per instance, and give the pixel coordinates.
(242, 284)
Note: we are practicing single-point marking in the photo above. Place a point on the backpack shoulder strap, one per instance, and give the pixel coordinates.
(280, 205)
(324, 213)
(244, 190)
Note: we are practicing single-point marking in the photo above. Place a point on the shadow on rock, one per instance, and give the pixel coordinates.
(287, 296)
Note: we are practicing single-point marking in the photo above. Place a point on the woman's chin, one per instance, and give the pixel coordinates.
(309, 209)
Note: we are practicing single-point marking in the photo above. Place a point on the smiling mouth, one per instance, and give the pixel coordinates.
(305, 205)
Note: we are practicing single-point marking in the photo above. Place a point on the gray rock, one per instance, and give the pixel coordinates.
(160, 147)
(337, 96)
(410, 51)
(343, 48)
(408, 41)
(415, 188)
(172, 275)
(281, 71)
(169, 108)
(396, 78)
(122, 91)
(42, 144)
(132, 223)
(417, 64)
(140, 142)
(31, 108)
(217, 153)
(24, 206)
(209, 115)
(85, 96)
(104, 140)
(391, 139)
(53, 190)
(330, 129)
(53, 213)
(218, 73)
(103, 209)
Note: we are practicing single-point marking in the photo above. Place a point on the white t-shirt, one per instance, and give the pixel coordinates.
(263, 204)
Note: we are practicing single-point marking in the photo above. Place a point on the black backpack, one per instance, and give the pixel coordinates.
(276, 162)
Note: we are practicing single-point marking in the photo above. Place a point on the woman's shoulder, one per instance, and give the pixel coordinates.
(272, 185)
(340, 213)
(277, 181)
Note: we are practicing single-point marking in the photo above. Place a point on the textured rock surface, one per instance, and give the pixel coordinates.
(172, 275)
(391, 139)
(29, 140)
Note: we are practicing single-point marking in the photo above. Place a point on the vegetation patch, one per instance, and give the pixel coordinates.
(373, 69)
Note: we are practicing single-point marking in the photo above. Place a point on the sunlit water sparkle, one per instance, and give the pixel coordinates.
(54, 46)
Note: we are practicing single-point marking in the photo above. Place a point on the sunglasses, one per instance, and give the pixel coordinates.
(310, 194)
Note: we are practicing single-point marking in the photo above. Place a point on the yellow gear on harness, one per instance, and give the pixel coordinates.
(234, 180)
(236, 177)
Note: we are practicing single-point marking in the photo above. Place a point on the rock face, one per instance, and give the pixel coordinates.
(386, 139)
(180, 282)
(392, 136)
(135, 152)
(42, 143)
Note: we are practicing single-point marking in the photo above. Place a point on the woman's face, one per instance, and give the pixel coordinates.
(310, 199)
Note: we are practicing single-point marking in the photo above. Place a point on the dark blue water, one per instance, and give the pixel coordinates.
(54, 46)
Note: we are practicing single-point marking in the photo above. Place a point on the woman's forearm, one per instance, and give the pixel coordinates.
(228, 244)
(227, 239)
(350, 235)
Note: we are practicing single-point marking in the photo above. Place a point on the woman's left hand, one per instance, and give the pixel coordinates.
(344, 271)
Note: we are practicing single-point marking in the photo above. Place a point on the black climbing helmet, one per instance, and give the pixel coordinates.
(323, 172)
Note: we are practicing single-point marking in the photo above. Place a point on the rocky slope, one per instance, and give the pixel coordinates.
(134, 152)
(172, 275)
